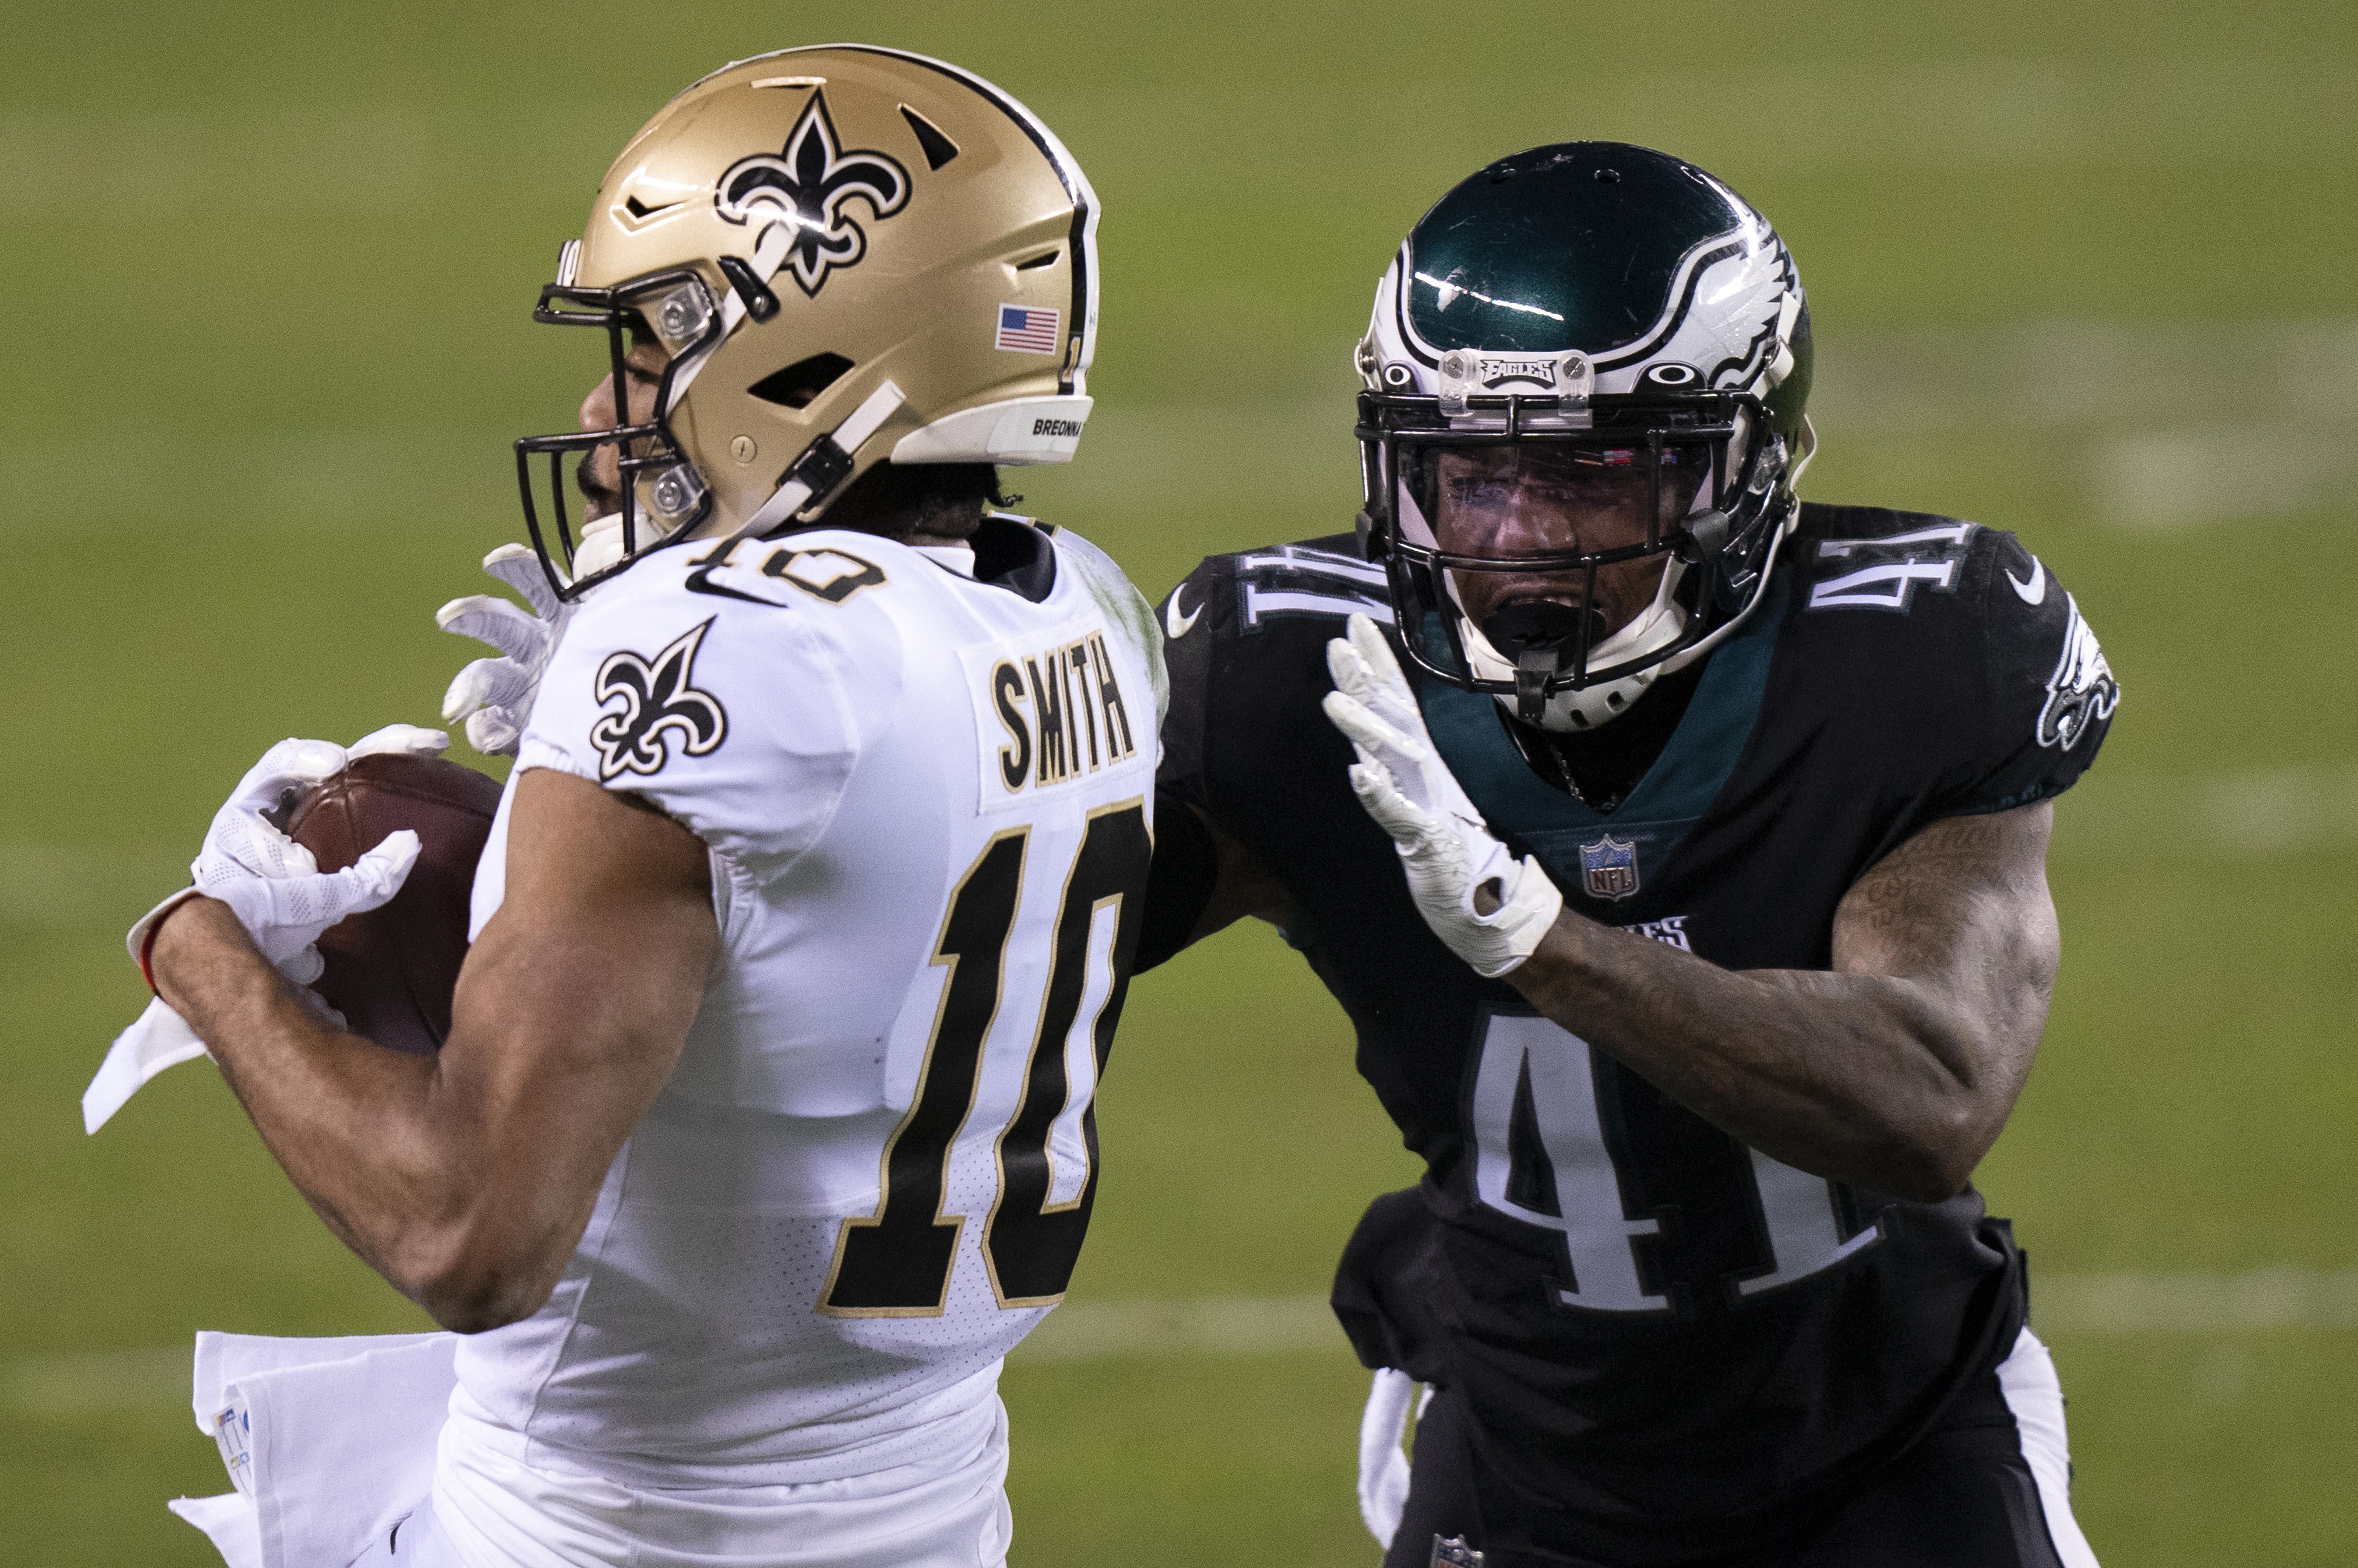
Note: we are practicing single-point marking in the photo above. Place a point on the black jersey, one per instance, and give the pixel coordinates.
(1668, 1335)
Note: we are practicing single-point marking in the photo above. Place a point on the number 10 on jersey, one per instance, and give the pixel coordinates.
(897, 1262)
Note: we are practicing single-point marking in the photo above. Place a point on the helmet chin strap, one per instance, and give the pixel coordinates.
(601, 538)
(826, 462)
(1575, 711)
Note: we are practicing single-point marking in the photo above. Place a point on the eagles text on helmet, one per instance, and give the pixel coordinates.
(1615, 329)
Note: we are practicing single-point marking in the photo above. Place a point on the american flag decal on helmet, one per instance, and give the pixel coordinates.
(1026, 331)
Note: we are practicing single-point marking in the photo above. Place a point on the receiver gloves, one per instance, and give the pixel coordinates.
(494, 696)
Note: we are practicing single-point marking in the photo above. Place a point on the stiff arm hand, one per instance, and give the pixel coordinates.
(1445, 847)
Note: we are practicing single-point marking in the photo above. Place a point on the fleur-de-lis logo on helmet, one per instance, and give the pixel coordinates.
(657, 703)
(804, 191)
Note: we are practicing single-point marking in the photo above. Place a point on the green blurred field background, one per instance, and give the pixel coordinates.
(2082, 271)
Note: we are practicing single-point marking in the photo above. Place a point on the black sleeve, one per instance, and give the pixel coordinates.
(2047, 694)
(1199, 607)
(1178, 882)
(1244, 739)
(1186, 864)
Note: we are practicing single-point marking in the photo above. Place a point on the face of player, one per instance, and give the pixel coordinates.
(1532, 498)
(600, 473)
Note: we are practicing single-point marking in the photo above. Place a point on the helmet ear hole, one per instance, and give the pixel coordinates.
(799, 384)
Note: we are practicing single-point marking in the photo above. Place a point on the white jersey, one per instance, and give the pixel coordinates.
(927, 799)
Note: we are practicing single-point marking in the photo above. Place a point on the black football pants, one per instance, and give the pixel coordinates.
(1964, 1496)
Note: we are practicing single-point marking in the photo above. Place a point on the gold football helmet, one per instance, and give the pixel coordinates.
(849, 254)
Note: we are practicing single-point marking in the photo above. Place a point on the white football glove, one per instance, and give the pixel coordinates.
(269, 882)
(1444, 846)
(274, 888)
(494, 696)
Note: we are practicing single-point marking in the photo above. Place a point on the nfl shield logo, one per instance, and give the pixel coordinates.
(1609, 868)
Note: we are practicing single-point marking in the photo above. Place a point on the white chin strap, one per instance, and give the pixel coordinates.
(1570, 712)
(601, 538)
(770, 254)
(794, 494)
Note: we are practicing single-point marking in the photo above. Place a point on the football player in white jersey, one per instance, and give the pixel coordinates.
(763, 1128)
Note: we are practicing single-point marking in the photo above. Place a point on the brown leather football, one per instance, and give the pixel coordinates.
(392, 971)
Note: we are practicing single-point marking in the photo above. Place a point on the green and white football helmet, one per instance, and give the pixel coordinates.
(1617, 344)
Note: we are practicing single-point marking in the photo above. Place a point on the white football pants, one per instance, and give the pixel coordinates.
(349, 1452)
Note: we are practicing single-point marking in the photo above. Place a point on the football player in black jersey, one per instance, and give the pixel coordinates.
(1684, 875)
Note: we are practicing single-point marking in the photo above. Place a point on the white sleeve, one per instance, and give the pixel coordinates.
(734, 717)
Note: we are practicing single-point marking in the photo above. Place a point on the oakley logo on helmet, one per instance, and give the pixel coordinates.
(804, 191)
(657, 703)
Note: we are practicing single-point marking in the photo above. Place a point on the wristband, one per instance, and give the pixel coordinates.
(141, 938)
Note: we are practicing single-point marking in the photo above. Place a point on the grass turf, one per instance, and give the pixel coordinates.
(272, 266)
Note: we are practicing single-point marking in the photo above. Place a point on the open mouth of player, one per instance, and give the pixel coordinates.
(1560, 629)
(1548, 632)
(599, 498)
(1551, 550)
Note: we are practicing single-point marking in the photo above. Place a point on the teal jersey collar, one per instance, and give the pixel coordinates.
(1665, 804)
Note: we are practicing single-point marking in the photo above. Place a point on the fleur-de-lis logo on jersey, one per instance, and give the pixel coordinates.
(804, 191)
(658, 704)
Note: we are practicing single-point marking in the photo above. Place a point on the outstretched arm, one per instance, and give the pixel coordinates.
(1203, 879)
(1894, 1070)
(467, 1179)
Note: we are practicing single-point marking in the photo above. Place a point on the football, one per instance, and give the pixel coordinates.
(391, 971)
